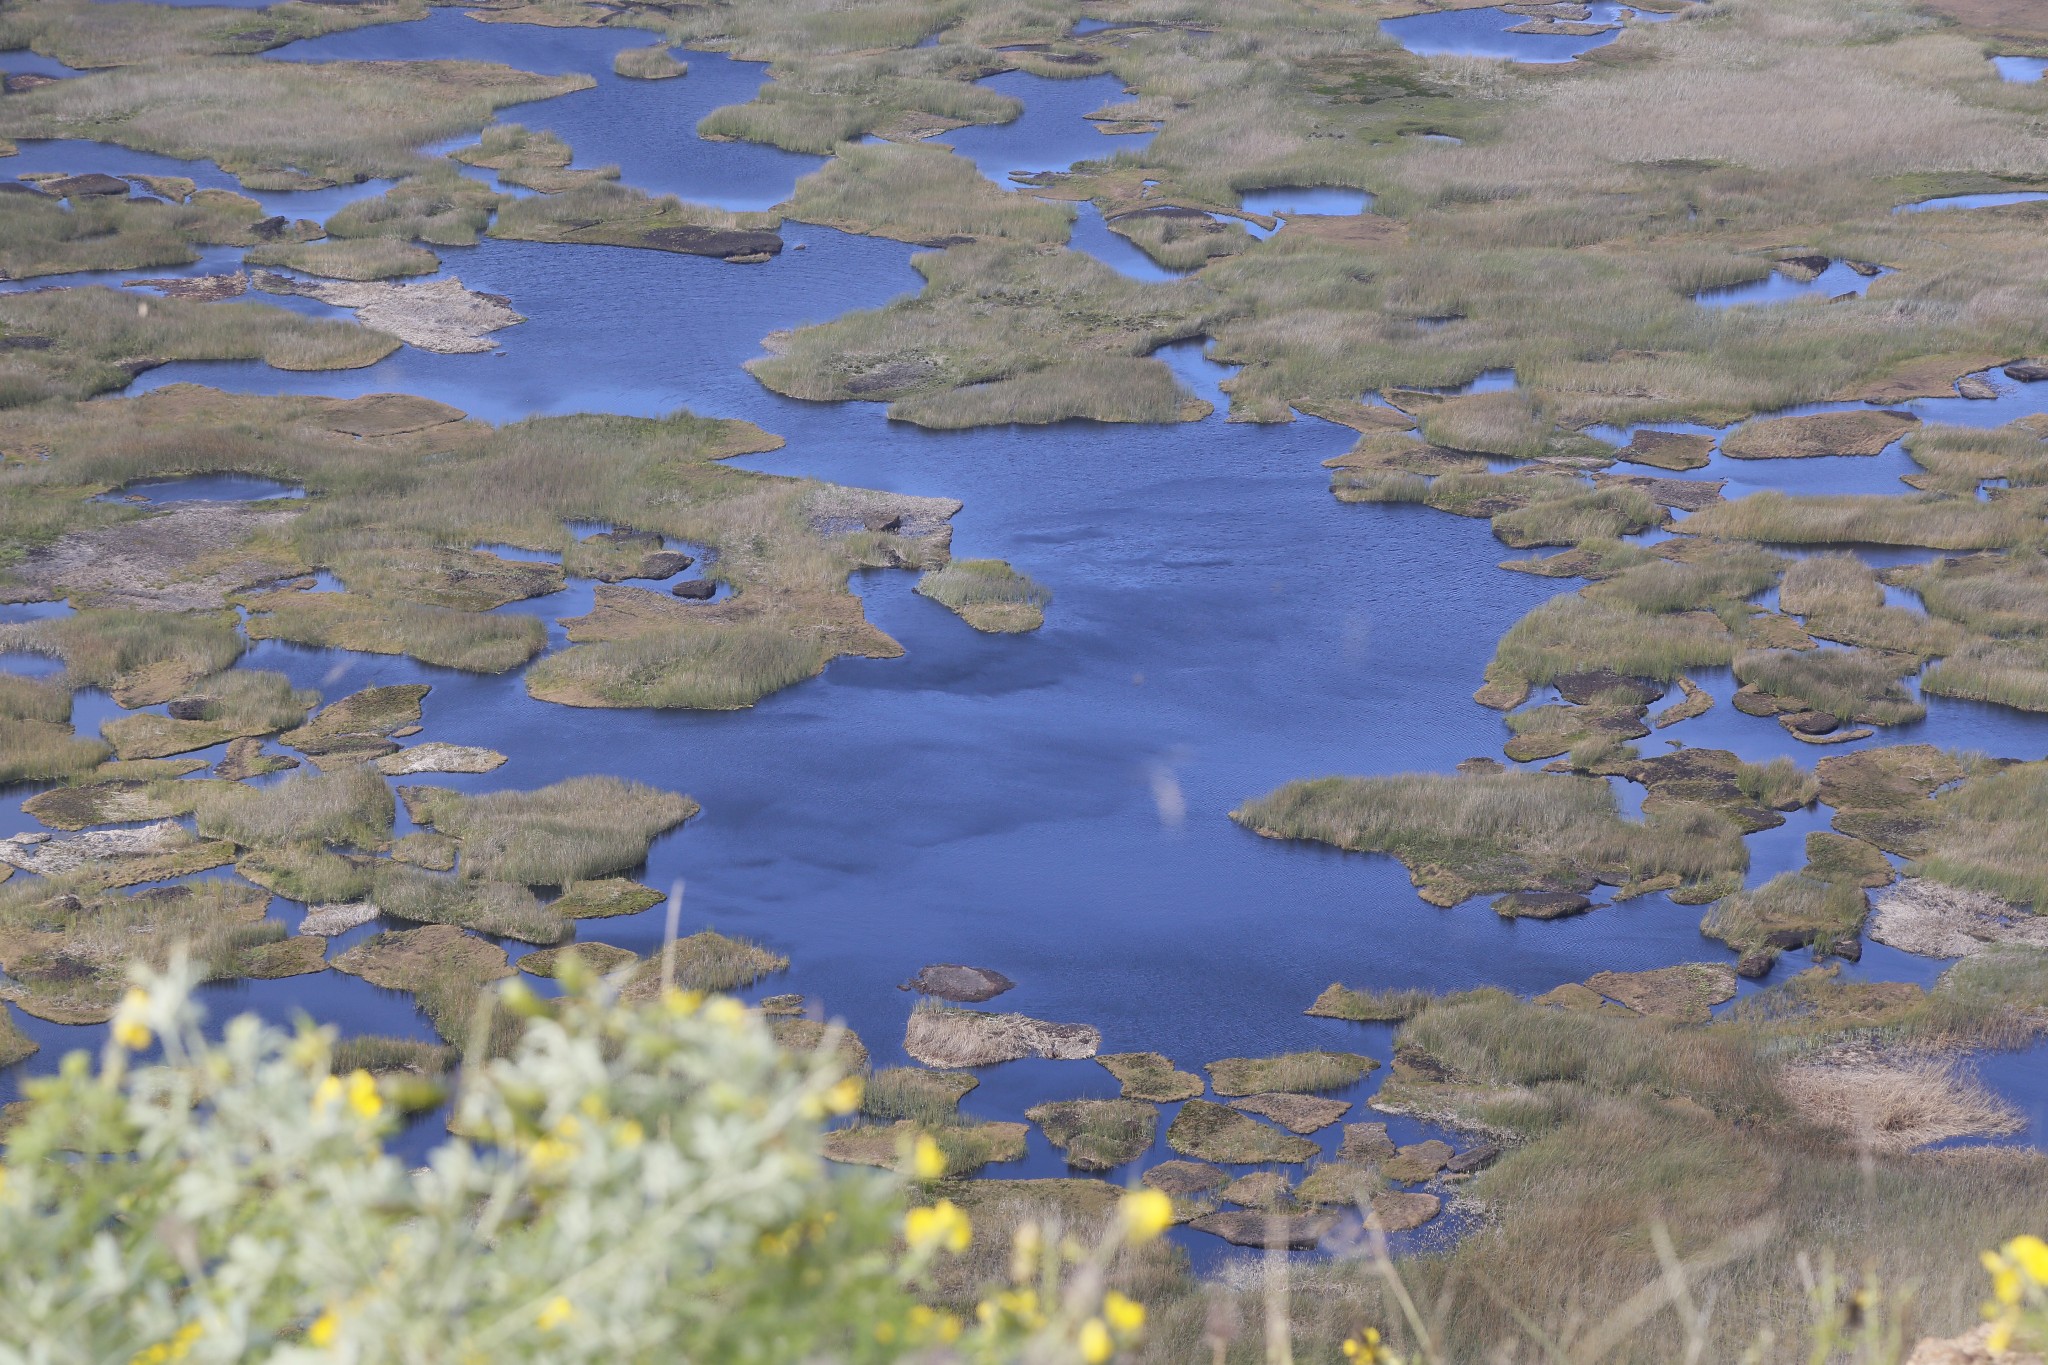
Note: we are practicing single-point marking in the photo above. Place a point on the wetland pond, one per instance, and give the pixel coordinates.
(1049, 805)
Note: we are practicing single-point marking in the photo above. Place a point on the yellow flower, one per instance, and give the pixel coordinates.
(549, 1151)
(326, 1094)
(321, 1333)
(844, 1097)
(725, 1011)
(631, 1134)
(554, 1313)
(927, 1162)
(885, 1332)
(682, 1004)
(1094, 1342)
(1999, 1339)
(362, 1095)
(2030, 1253)
(129, 1030)
(940, 1225)
(1125, 1315)
(1146, 1214)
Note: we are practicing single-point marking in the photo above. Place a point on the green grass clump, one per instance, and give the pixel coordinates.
(90, 35)
(920, 193)
(505, 909)
(1097, 1135)
(141, 657)
(1465, 835)
(966, 1147)
(1779, 784)
(350, 807)
(572, 831)
(42, 751)
(446, 970)
(1573, 633)
(342, 258)
(590, 209)
(1214, 1132)
(931, 1098)
(95, 333)
(710, 961)
(1933, 520)
(473, 641)
(816, 106)
(436, 204)
(15, 1046)
(1181, 240)
(1149, 1076)
(1986, 835)
(67, 955)
(312, 876)
(2005, 672)
(648, 64)
(1066, 345)
(1839, 859)
(722, 668)
(226, 706)
(360, 720)
(1970, 455)
(1594, 514)
(281, 125)
(1303, 1073)
(41, 236)
(2000, 595)
(1787, 911)
(988, 594)
(1849, 684)
(1339, 1001)
(380, 1055)
(605, 898)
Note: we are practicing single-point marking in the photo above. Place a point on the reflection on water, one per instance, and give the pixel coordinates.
(1778, 287)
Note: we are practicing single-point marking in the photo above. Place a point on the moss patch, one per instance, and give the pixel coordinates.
(1096, 1135)
(1212, 1132)
(1294, 1072)
(1149, 1076)
(988, 594)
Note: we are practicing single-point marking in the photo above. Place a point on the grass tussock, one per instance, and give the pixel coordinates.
(709, 669)
(281, 125)
(346, 808)
(1850, 684)
(1467, 835)
(449, 974)
(1985, 835)
(1150, 1076)
(655, 63)
(572, 831)
(1303, 1073)
(1097, 1135)
(915, 192)
(1786, 912)
(241, 702)
(1212, 1132)
(929, 1098)
(1932, 520)
(97, 334)
(1339, 1001)
(988, 594)
(503, 909)
(362, 258)
(472, 641)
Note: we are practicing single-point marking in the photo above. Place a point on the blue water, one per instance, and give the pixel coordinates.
(1972, 201)
(22, 62)
(1053, 805)
(1052, 133)
(1838, 279)
(1288, 201)
(1484, 33)
(204, 488)
(2020, 69)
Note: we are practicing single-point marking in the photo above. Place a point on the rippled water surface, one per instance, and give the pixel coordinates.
(1053, 805)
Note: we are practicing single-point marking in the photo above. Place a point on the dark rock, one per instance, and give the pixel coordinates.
(1244, 1228)
(662, 564)
(1813, 264)
(2028, 371)
(1481, 767)
(1813, 723)
(1581, 688)
(16, 187)
(1849, 949)
(1413, 1061)
(704, 241)
(1756, 963)
(882, 521)
(1867, 269)
(1541, 905)
(25, 343)
(964, 985)
(66, 904)
(623, 535)
(696, 589)
(162, 895)
(190, 708)
(271, 228)
(1473, 1159)
(1788, 938)
(92, 185)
